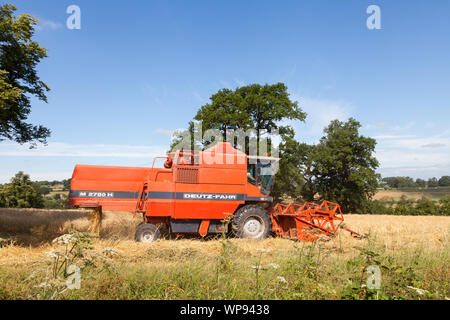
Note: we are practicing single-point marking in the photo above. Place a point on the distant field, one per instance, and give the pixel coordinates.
(434, 194)
(413, 251)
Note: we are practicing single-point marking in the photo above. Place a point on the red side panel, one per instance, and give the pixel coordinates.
(211, 191)
(113, 188)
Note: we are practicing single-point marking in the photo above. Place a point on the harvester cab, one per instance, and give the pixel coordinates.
(261, 172)
(217, 190)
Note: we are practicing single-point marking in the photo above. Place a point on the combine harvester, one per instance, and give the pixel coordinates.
(196, 192)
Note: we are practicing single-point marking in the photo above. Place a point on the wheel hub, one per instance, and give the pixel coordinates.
(253, 227)
(147, 237)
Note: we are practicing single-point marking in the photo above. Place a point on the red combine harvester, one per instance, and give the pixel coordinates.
(195, 192)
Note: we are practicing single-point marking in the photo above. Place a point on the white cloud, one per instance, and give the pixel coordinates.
(430, 125)
(59, 149)
(392, 136)
(199, 98)
(423, 172)
(403, 127)
(419, 143)
(414, 156)
(225, 84)
(405, 158)
(166, 132)
(239, 82)
(289, 74)
(45, 24)
(375, 126)
(434, 145)
(320, 112)
(158, 96)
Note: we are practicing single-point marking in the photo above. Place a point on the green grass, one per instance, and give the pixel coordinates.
(308, 271)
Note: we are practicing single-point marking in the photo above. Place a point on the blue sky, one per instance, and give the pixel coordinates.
(137, 70)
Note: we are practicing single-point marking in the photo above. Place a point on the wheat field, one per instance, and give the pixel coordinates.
(31, 231)
(191, 264)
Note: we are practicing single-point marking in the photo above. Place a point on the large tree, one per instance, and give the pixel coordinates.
(19, 56)
(263, 108)
(21, 193)
(444, 181)
(294, 171)
(342, 166)
(433, 182)
(268, 106)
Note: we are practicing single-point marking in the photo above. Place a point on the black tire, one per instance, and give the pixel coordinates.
(251, 222)
(147, 233)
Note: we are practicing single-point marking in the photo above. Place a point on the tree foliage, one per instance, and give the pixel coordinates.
(19, 56)
(408, 182)
(421, 183)
(433, 182)
(444, 181)
(340, 168)
(408, 206)
(259, 107)
(344, 165)
(400, 182)
(21, 193)
(289, 180)
(403, 182)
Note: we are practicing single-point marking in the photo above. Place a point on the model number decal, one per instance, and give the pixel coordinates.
(97, 194)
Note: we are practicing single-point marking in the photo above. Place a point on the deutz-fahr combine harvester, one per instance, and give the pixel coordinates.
(197, 192)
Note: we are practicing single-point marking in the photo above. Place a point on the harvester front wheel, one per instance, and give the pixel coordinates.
(147, 233)
(252, 222)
